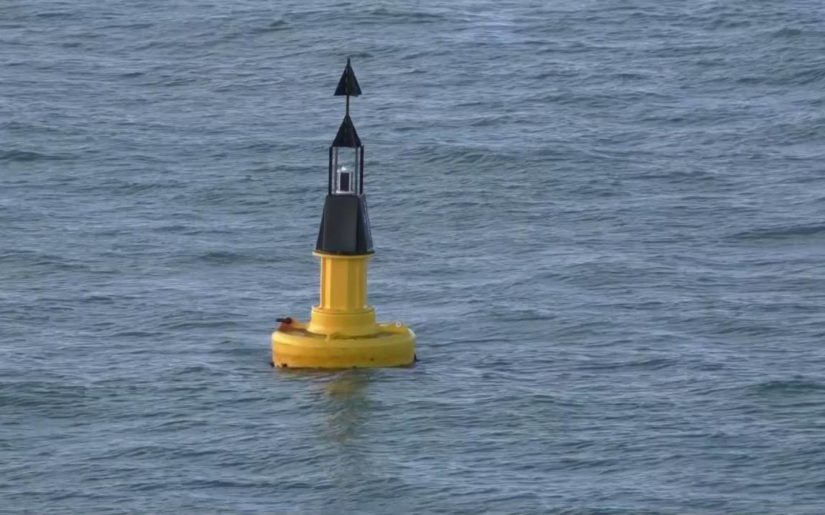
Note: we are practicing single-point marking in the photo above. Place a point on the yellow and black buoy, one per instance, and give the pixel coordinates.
(342, 331)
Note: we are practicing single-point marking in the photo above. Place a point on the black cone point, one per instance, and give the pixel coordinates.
(347, 136)
(348, 84)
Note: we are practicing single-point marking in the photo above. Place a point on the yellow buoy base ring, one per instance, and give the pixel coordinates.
(392, 345)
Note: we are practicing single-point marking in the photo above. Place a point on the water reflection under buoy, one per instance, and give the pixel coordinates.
(347, 403)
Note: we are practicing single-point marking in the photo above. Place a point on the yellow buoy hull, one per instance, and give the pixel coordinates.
(392, 345)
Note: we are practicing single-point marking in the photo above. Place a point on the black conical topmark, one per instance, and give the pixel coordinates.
(348, 84)
(347, 135)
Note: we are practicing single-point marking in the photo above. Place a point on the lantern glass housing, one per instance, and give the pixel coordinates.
(346, 170)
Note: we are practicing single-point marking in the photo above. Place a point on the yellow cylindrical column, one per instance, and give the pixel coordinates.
(343, 282)
(343, 308)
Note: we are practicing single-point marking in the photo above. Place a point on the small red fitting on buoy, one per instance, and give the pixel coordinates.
(285, 323)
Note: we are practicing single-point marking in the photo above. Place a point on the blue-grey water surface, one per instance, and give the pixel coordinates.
(604, 220)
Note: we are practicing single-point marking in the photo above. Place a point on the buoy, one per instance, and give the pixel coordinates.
(342, 331)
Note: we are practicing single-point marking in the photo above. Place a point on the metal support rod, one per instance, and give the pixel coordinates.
(361, 180)
(329, 180)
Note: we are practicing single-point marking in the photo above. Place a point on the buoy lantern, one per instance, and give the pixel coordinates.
(342, 331)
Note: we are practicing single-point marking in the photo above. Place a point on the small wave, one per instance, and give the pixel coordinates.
(275, 26)
(360, 55)
(644, 364)
(184, 325)
(24, 156)
(223, 257)
(626, 75)
(131, 75)
(133, 333)
(751, 80)
(786, 32)
(466, 156)
(808, 76)
(141, 187)
(196, 369)
(98, 298)
(405, 17)
(54, 397)
(782, 233)
(676, 176)
(55, 14)
(796, 385)
(31, 258)
(800, 76)
(178, 229)
(730, 23)
(135, 26)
